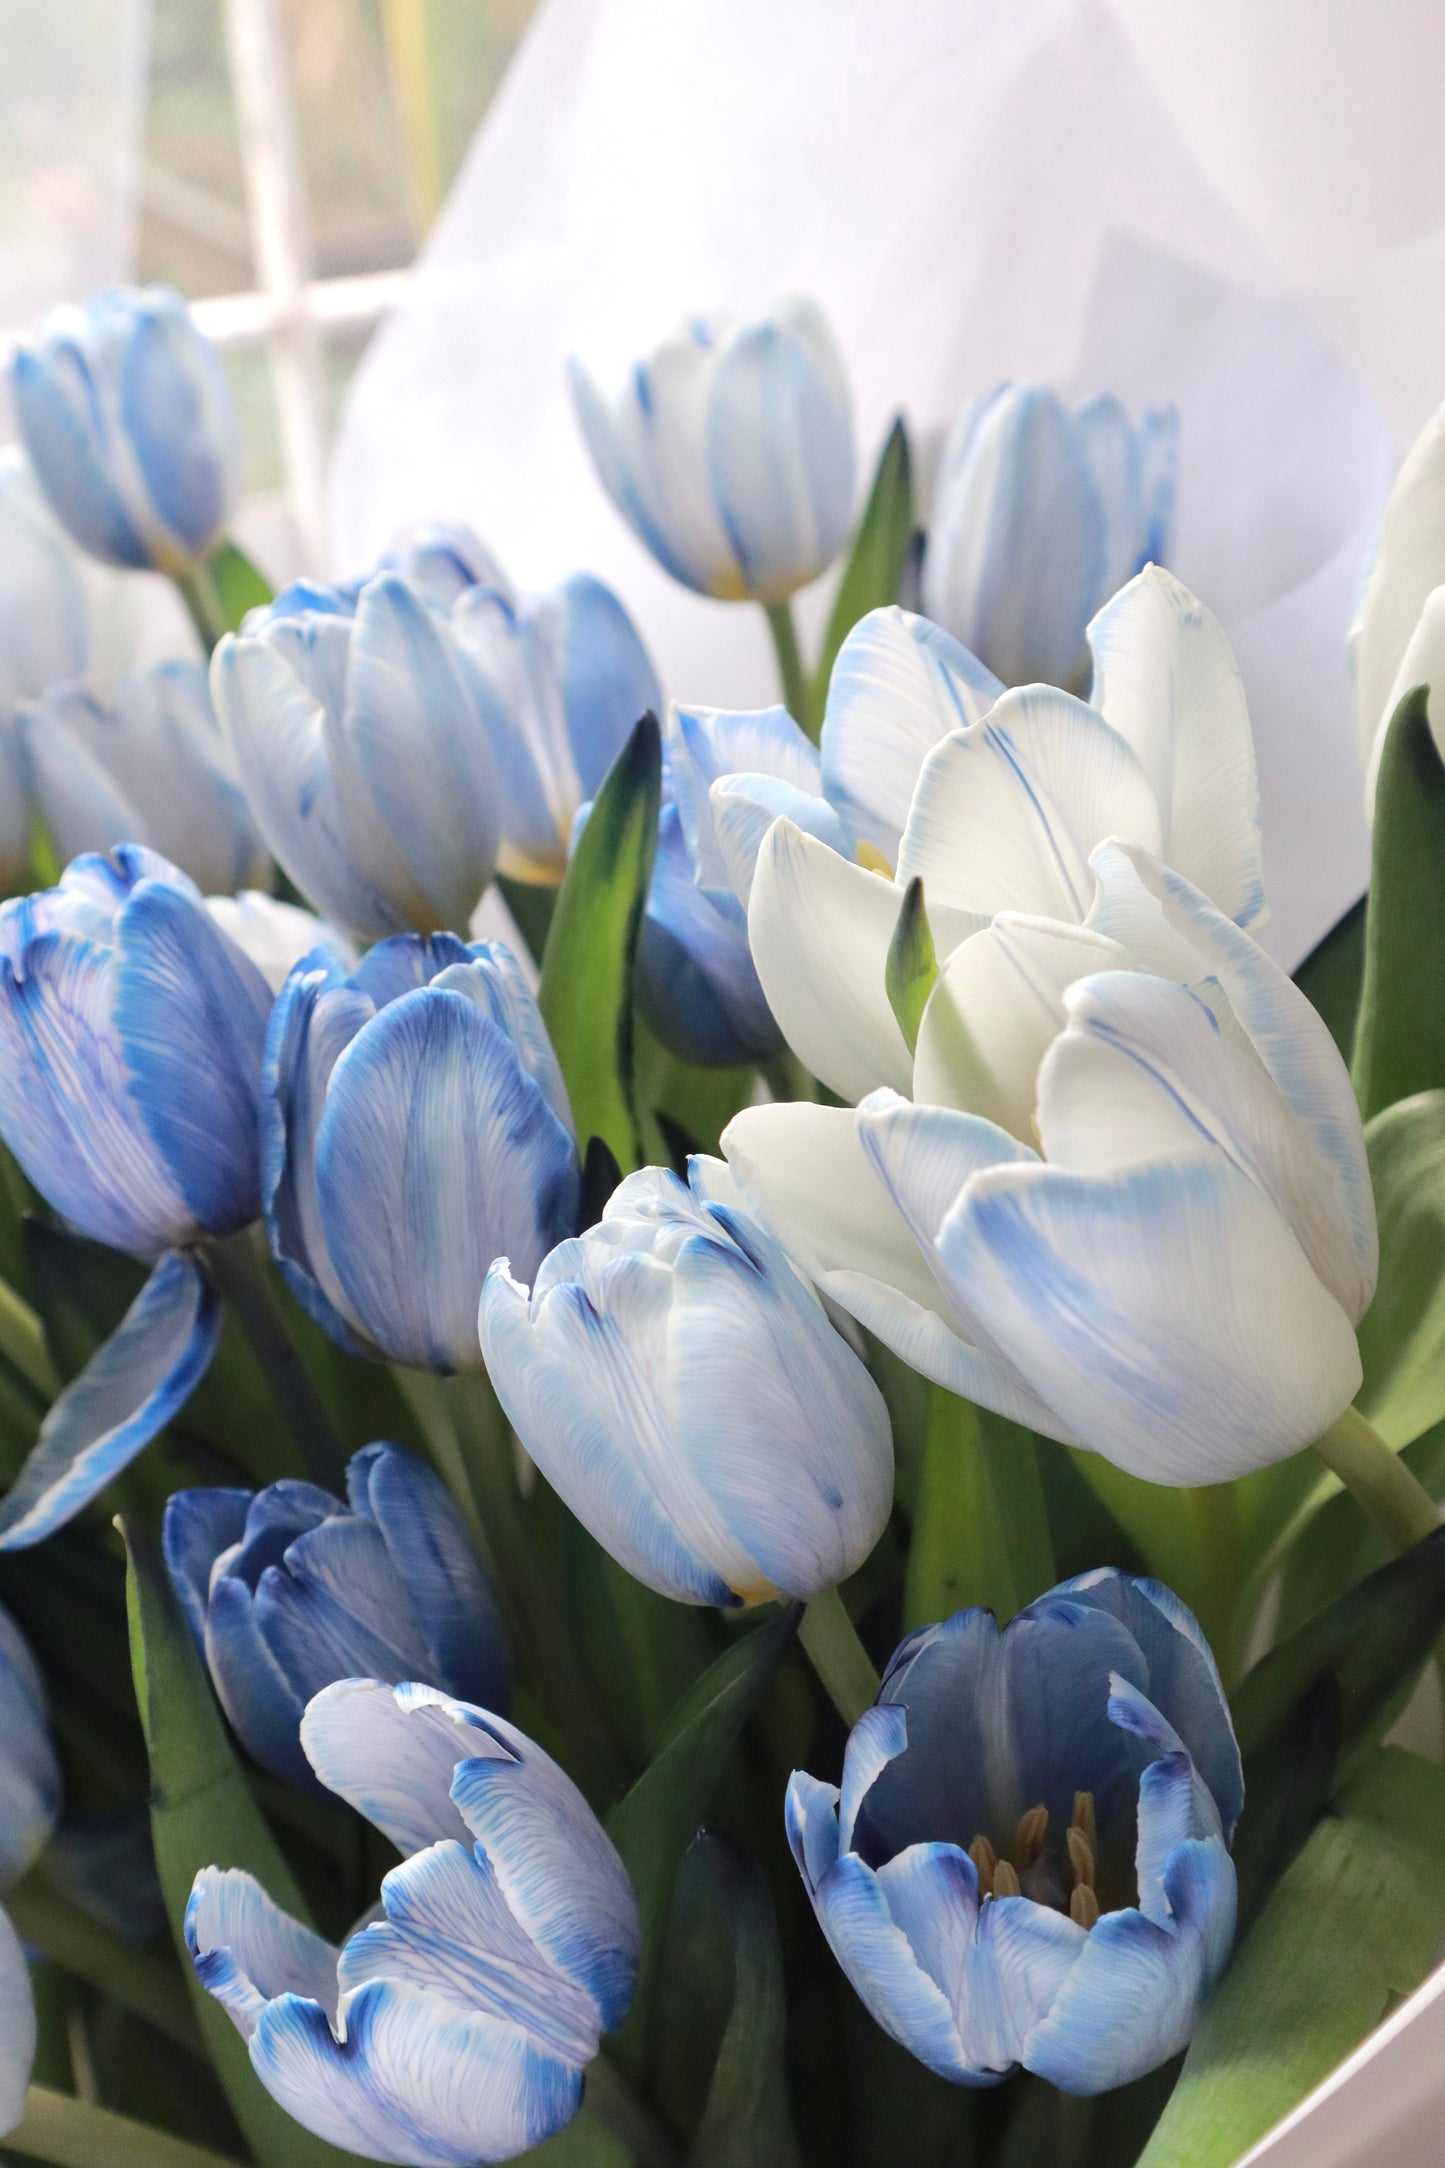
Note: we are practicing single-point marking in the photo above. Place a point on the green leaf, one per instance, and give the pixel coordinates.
(1402, 1334)
(720, 2025)
(1400, 1037)
(1352, 1926)
(875, 562)
(1198, 1542)
(586, 990)
(73, 2133)
(1331, 974)
(240, 586)
(912, 967)
(202, 1815)
(656, 1821)
(82, 1290)
(980, 1528)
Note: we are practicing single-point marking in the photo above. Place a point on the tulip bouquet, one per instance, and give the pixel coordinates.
(719, 1430)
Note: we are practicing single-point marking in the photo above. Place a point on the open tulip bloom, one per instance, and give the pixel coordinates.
(1028, 1861)
(458, 2026)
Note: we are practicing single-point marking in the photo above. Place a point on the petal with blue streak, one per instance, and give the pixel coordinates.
(61, 741)
(704, 744)
(742, 808)
(440, 1570)
(197, 1526)
(66, 433)
(180, 424)
(392, 1752)
(338, 1609)
(247, 1951)
(261, 1702)
(892, 1985)
(695, 976)
(607, 677)
(130, 1389)
(436, 1152)
(810, 1815)
(17, 2027)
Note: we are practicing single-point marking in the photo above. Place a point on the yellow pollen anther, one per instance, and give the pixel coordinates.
(1081, 1858)
(1084, 1907)
(1084, 1819)
(1029, 1837)
(985, 1859)
(1005, 1880)
(871, 859)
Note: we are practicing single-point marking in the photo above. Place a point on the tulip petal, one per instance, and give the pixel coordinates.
(179, 422)
(695, 977)
(66, 432)
(420, 744)
(492, 977)
(899, 684)
(130, 1388)
(996, 1007)
(778, 446)
(436, 1153)
(1005, 814)
(246, 1950)
(1166, 679)
(608, 682)
(392, 1752)
(416, 2081)
(191, 1012)
(1169, 1816)
(1423, 663)
(322, 1614)
(742, 808)
(1167, 1314)
(198, 1525)
(60, 739)
(276, 935)
(878, 1738)
(810, 1814)
(438, 1566)
(1409, 565)
(890, 1982)
(17, 2027)
(29, 1771)
(704, 744)
(263, 1707)
(448, 1928)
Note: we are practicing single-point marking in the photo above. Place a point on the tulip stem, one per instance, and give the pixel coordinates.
(199, 593)
(1396, 1501)
(22, 1338)
(72, 2133)
(797, 689)
(140, 1979)
(845, 1670)
(238, 1269)
(611, 2100)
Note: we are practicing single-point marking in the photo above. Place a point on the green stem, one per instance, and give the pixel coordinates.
(797, 690)
(73, 2134)
(1399, 1505)
(844, 1668)
(142, 1980)
(612, 2102)
(238, 1269)
(199, 593)
(1220, 1543)
(22, 1338)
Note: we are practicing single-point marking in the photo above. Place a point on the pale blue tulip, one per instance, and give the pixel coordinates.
(124, 410)
(729, 451)
(1041, 512)
(444, 558)
(456, 2027)
(277, 935)
(131, 1038)
(1089, 1746)
(680, 1386)
(414, 1127)
(563, 678)
(357, 729)
(286, 1590)
(153, 769)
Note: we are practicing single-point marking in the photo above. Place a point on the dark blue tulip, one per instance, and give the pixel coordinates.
(286, 1590)
(125, 413)
(132, 1031)
(1028, 1862)
(414, 1127)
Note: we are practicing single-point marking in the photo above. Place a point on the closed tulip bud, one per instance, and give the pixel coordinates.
(729, 451)
(1088, 1750)
(415, 1126)
(125, 413)
(681, 1387)
(287, 1589)
(1040, 513)
(1132, 1144)
(456, 2026)
(563, 678)
(152, 769)
(355, 726)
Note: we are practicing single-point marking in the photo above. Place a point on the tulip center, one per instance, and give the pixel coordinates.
(1005, 1875)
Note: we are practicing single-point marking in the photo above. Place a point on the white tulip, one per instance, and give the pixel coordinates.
(1399, 641)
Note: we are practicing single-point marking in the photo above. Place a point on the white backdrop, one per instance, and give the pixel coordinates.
(1226, 202)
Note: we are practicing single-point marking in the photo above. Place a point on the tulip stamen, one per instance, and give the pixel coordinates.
(1085, 1819)
(1081, 1857)
(871, 859)
(1005, 1880)
(1083, 1907)
(985, 1859)
(1029, 1836)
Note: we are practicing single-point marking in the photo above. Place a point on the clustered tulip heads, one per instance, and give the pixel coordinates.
(1006, 1170)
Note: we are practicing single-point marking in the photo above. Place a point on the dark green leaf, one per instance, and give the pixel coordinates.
(82, 1291)
(240, 586)
(203, 1814)
(875, 562)
(1352, 1926)
(1402, 1334)
(1400, 1037)
(531, 904)
(600, 1176)
(912, 967)
(980, 1528)
(1331, 974)
(586, 990)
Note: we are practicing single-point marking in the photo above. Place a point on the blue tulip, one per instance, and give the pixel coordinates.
(126, 416)
(1028, 1862)
(131, 1038)
(681, 1387)
(359, 734)
(29, 1771)
(444, 559)
(153, 768)
(1041, 513)
(457, 2026)
(563, 678)
(729, 451)
(415, 1126)
(287, 1589)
